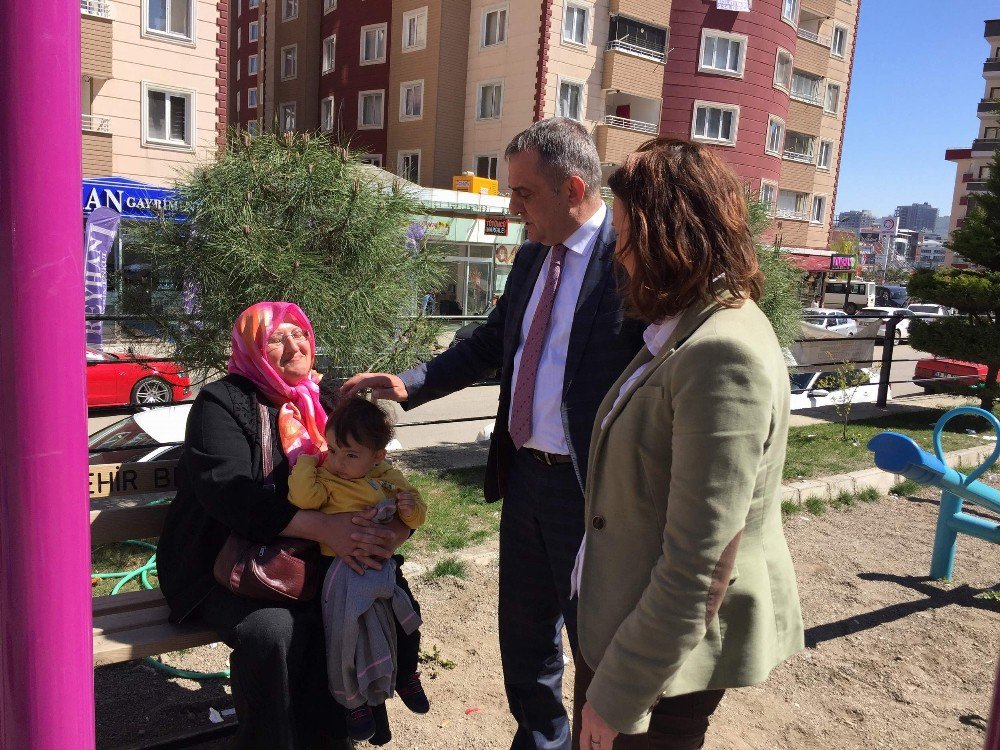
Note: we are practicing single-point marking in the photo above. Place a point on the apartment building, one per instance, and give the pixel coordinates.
(974, 163)
(431, 88)
(917, 216)
(153, 86)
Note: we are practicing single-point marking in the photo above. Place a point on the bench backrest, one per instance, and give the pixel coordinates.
(123, 480)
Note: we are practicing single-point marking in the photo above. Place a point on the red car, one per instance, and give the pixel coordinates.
(943, 369)
(117, 379)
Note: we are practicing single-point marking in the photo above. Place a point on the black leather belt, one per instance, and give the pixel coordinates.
(550, 459)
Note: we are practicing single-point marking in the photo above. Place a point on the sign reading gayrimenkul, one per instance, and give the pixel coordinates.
(133, 199)
(102, 226)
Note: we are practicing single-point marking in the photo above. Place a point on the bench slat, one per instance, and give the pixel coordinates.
(119, 524)
(127, 602)
(149, 641)
(131, 620)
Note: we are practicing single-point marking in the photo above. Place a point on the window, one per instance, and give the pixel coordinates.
(570, 102)
(239, 68)
(831, 104)
(990, 133)
(253, 3)
(168, 117)
(715, 122)
(839, 43)
(411, 100)
(408, 166)
(239, 38)
(173, 18)
(984, 173)
(329, 5)
(252, 65)
(289, 61)
(783, 70)
(254, 31)
(373, 44)
(790, 11)
(825, 155)
(574, 28)
(370, 106)
(792, 205)
(775, 135)
(326, 114)
(415, 29)
(806, 86)
(995, 92)
(768, 194)
(289, 10)
(722, 53)
(490, 99)
(329, 53)
(494, 26)
(253, 127)
(819, 209)
(486, 166)
(637, 38)
(287, 114)
(799, 147)
(252, 97)
(373, 159)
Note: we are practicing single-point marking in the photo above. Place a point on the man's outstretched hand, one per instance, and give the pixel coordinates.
(382, 385)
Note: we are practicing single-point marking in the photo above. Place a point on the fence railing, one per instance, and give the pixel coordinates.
(637, 125)
(807, 97)
(798, 156)
(813, 36)
(786, 213)
(637, 46)
(95, 123)
(99, 8)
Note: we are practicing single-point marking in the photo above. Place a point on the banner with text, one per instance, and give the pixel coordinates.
(102, 226)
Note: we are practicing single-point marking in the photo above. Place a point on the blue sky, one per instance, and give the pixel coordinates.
(916, 84)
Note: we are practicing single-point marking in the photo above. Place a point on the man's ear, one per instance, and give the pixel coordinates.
(380, 456)
(577, 190)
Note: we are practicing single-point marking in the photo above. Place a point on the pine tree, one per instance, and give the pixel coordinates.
(295, 217)
(974, 335)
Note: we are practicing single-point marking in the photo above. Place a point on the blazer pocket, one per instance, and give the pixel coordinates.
(649, 391)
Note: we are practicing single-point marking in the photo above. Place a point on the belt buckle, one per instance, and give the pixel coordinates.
(547, 458)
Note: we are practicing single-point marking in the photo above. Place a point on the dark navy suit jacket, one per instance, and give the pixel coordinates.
(602, 343)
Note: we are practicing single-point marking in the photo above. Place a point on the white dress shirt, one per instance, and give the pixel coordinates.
(546, 418)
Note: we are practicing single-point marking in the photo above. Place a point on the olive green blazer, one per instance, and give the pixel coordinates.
(687, 582)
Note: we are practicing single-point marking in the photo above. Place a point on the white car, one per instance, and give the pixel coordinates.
(818, 388)
(928, 311)
(883, 314)
(836, 321)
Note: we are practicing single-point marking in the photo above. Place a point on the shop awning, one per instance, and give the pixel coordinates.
(131, 198)
(808, 263)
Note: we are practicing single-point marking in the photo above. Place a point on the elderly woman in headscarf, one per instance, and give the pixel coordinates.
(278, 661)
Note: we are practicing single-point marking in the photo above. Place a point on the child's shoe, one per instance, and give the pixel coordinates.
(360, 723)
(413, 695)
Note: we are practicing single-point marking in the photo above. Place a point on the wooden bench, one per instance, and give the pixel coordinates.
(134, 624)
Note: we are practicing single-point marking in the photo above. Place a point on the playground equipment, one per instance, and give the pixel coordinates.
(899, 454)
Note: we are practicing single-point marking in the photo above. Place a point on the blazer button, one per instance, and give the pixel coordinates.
(598, 522)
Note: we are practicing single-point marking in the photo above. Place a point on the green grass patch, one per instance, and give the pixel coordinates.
(869, 495)
(457, 514)
(120, 557)
(816, 505)
(992, 595)
(790, 508)
(818, 449)
(449, 566)
(844, 500)
(905, 488)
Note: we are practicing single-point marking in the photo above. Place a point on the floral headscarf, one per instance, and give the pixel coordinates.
(301, 419)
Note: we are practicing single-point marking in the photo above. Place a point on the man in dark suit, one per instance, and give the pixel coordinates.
(560, 339)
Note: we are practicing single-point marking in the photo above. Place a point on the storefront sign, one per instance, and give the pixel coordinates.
(131, 198)
(102, 226)
(496, 226)
(737, 5)
(841, 262)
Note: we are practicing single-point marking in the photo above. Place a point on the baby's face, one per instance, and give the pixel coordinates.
(351, 461)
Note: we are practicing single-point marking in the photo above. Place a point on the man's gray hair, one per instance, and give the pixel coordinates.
(564, 149)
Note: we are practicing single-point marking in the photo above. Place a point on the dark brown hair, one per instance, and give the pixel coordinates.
(360, 420)
(687, 223)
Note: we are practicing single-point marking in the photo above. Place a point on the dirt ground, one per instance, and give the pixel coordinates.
(893, 661)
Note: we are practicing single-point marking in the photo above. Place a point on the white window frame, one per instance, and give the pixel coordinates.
(826, 97)
(326, 124)
(776, 151)
(734, 108)
(252, 97)
(812, 211)
(501, 30)
(281, 116)
(253, 31)
(821, 92)
(479, 98)
(560, 81)
(329, 5)
(795, 6)
(168, 91)
(384, 28)
(798, 156)
(170, 36)
(569, 40)
(285, 15)
(329, 64)
(774, 195)
(361, 109)
(833, 41)
(252, 65)
(420, 14)
(741, 39)
(285, 75)
(399, 163)
(786, 85)
(829, 155)
(374, 159)
(416, 84)
(494, 164)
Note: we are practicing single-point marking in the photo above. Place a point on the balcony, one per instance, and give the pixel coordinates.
(985, 144)
(976, 186)
(787, 213)
(627, 72)
(799, 157)
(635, 46)
(812, 36)
(967, 176)
(95, 123)
(98, 8)
(648, 11)
(988, 106)
(807, 97)
(637, 125)
(95, 39)
(96, 147)
(992, 65)
(617, 137)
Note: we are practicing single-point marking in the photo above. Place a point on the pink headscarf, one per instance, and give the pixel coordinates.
(301, 419)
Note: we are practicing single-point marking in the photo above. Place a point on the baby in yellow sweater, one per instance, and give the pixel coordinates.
(355, 475)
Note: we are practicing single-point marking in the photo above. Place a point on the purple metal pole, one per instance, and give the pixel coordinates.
(46, 672)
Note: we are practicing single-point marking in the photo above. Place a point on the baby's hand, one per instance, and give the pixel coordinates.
(406, 504)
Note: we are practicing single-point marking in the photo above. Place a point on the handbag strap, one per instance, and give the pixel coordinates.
(266, 444)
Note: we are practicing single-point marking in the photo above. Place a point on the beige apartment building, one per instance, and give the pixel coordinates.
(153, 86)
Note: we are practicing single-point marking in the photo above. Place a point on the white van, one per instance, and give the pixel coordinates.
(861, 294)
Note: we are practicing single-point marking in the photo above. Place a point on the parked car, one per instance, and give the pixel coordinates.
(890, 296)
(150, 435)
(944, 369)
(928, 311)
(819, 388)
(830, 320)
(883, 314)
(118, 379)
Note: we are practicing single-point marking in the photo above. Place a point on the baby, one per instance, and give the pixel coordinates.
(354, 476)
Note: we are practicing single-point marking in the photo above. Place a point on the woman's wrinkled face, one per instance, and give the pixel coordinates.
(619, 220)
(289, 353)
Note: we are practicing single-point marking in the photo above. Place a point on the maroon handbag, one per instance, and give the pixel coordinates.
(285, 570)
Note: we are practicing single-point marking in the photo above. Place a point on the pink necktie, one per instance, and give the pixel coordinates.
(531, 352)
